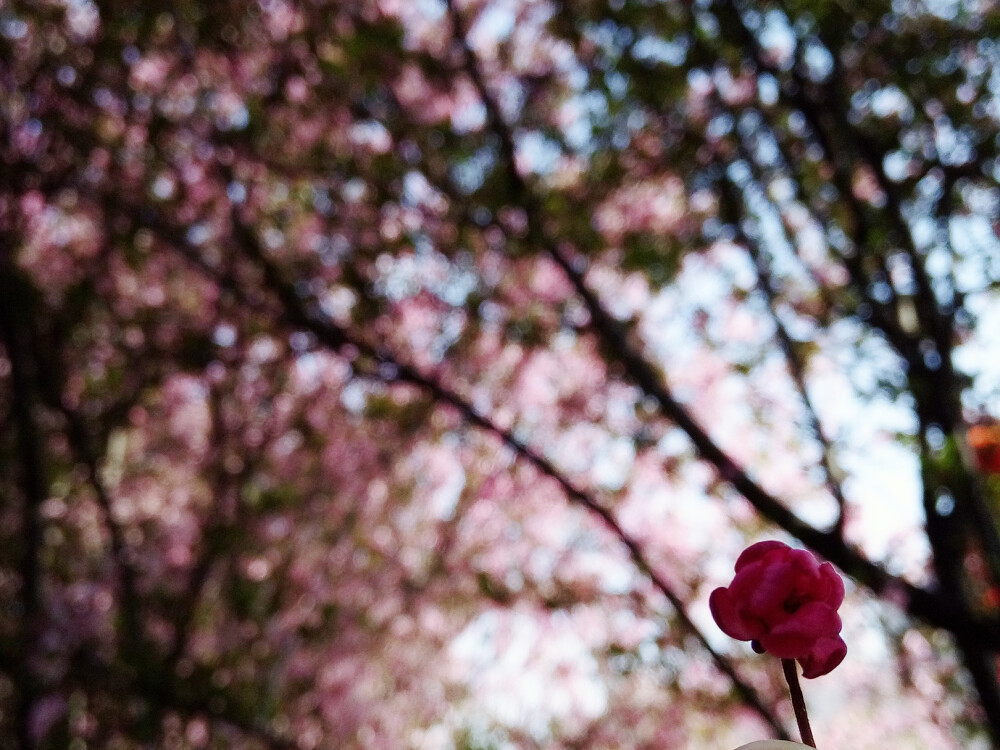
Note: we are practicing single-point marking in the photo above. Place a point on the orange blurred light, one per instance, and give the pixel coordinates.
(984, 440)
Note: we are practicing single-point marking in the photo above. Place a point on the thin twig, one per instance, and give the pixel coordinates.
(798, 701)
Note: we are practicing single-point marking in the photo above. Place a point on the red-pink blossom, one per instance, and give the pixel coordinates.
(785, 601)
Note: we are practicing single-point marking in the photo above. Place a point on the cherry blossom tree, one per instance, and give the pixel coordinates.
(408, 373)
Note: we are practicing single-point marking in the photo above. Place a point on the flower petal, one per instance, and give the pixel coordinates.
(796, 636)
(825, 656)
(814, 620)
(756, 551)
(775, 584)
(832, 591)
(730, 619)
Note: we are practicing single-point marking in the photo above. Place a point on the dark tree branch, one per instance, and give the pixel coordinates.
(130, 607)
(933, 384)
(225, 511)
(796, 368)
(390, 369)
(921, 603)
(16, 316)
(302, 314)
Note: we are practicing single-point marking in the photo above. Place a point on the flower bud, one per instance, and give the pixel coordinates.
(785, 602)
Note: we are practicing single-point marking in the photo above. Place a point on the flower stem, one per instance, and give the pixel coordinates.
(798, 702)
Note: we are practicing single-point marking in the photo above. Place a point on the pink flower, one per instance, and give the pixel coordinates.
(785, 601)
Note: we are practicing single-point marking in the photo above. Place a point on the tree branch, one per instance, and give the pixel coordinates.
(16, 316)
(796, 369)
(924, 604)
(338, 339)
(297, 314)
